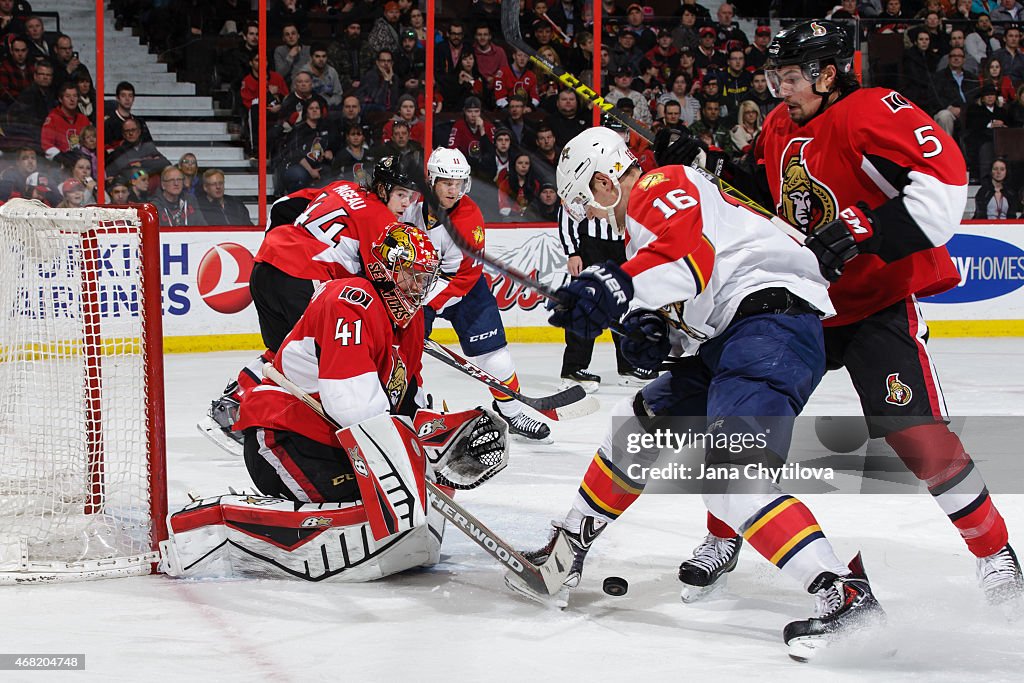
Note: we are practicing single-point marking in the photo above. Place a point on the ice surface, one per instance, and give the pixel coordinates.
(456, 622)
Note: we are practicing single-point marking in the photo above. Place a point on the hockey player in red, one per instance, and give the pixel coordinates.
(314, 235)
(462, 295)
(744, 302)
(348, 502)
(880, 189)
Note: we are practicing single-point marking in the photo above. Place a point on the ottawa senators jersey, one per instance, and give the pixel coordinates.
(324, 242)
(345, 351)
(507, 84)
(699, 253)
(872, 146)
(458, 272)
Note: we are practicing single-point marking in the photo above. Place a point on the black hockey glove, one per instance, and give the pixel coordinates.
(836, 242)
(674, 147)
(645, 344)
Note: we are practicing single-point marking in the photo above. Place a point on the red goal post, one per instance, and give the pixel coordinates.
(83, 492)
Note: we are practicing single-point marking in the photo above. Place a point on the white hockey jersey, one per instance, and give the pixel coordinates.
(458, 272)
(689, 244)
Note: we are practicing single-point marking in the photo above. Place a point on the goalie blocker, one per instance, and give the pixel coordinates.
(388, 528)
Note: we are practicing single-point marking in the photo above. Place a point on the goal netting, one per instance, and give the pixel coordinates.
(82, 488)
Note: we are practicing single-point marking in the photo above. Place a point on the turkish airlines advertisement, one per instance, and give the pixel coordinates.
(205, 277)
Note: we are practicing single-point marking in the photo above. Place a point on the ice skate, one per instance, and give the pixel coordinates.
(588, 380)
(845, 605)
(706, 572)
(637, 377)
(525, 427)
(580, 542)
(220, 419)
(1000, 578)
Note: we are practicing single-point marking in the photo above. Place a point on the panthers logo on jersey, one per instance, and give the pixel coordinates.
(804, 201)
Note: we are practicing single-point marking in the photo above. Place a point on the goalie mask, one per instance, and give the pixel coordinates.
(449, 163)
(595, 150)
(403, 266)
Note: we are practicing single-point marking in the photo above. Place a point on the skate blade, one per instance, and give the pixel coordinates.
(691, 594)
(560, 600)
(1012, 608)
(212, 431)
(851, 647)
(633, 381)
(525, 439)
(589, 387)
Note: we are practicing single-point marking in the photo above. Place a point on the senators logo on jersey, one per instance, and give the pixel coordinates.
(899, 394)
(804, 201)
(398, 382)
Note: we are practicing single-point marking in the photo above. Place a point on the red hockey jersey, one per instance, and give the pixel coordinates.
(506, 84)
(329, 238)
(344, 351)
(872, 146)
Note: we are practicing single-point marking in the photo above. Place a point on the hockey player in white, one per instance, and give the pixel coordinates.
(719, 281)
(461, 296)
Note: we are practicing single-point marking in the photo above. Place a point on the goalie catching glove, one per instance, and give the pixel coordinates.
(465, 449)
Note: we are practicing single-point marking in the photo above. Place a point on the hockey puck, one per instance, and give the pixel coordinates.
(615, 585)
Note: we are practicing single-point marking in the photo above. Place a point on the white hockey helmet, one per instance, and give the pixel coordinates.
(449, 163)
(595, 150)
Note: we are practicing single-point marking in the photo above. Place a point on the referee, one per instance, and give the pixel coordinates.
(588, 242)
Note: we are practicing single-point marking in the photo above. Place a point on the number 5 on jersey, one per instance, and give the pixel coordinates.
(349, 333)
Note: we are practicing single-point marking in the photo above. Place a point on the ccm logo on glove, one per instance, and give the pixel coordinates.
(856, 222)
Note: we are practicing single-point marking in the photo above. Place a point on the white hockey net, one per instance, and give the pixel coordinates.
(79, 463)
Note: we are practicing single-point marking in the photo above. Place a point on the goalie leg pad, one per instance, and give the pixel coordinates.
(465, 449)
(260, 537)
(390, 469)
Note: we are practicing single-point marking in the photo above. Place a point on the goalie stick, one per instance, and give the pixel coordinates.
(514, 36)
(545, 579)
(565, 405)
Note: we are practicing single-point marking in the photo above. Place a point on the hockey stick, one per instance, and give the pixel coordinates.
(545, 579)
(479, 255)
(565, 405)
(514, 37)
(566, 40)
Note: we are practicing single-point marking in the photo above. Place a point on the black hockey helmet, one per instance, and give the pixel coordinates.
(811, 45)
(389, 174)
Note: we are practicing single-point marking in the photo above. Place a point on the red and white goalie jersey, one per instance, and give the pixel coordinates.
(872, 146)
(458, 272)
(698, 252)
(324, 242)
(344, 351)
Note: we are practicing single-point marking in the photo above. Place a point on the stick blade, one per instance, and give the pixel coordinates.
(588, 405)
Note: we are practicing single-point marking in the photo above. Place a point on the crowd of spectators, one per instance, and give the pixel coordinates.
(346, 85)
